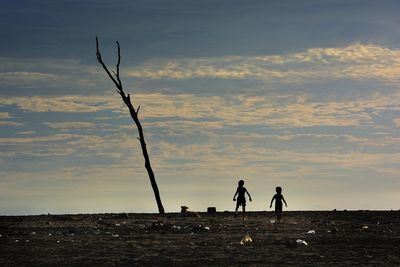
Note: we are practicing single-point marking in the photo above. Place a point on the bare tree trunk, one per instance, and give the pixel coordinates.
(134, 114)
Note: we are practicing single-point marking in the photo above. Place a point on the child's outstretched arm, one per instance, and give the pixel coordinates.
(234, 197)
(248, 195)
(272, 200)
(284, 201)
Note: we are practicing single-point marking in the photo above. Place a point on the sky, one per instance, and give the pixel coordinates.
(298, 94)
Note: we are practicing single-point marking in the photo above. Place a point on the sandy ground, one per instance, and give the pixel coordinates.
(341, 238)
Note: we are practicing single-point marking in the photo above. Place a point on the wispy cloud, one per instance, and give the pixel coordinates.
(358, 61)
(70, 125)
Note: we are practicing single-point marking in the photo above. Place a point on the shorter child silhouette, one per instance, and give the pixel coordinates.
(278, 197)
(241, 199)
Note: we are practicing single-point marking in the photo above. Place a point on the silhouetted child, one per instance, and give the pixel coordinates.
(278, 197)
(241, 198)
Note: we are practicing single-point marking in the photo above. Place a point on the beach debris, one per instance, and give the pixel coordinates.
(118, 224)
(27, 241)
(58, 241)
(33, 233)
(211, 210)
(246, 239)
(272, 221)
(301, 242)
(365, 227)
(115, 235)
(0, 235)
(333, 231)
(186, 213)
(16, 240)
(48, 223)
(49, 233)
(312, 232)
(207, 228)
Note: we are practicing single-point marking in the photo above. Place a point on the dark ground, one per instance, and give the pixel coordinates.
(342, 238)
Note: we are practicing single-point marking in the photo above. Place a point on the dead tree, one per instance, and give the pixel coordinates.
(134, 114)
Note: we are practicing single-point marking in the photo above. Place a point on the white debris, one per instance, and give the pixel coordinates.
(58, 241)
(311, 232)
(301, 242)
(115, 235)
(246, 239)
(207, 228)
(365, 227)
(118, 225)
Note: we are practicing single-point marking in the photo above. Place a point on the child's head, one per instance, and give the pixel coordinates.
(278, 189)
(241, 183)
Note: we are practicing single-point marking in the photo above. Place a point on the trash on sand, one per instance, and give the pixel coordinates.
(311, 232)
(33, 233)
(0, 235)
(118, 225)
(58, 241)
(27, 241)
(272, 221)
(246, 239)
(16, 240)
(334, 230)
(115, 235)
(49, 234)
(365, 227)
(186, 213)
(301, 242)
(207, 228)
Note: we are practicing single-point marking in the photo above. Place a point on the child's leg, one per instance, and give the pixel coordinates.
(237, 207)
(279, 215)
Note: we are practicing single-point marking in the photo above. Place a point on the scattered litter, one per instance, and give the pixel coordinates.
(212, 210)
(16, 240)
(49, 234)
(115, 235)
(334, 230)
(99, 219)
(58, 241)
(118, 225)
(186, 213)
(27, 241)
(49, 223)
(123, 222)
(272, 221)
(207, 228)
(0, 235)
(301, 242)
(365, 227)
(246, 239)
(311, 232)
(33, 233)
(176, 227)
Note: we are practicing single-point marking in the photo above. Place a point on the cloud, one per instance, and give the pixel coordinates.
(25, 76)
(10, 123)
(70, 125)
(67, 103)
(4, 115)
(357, 61)
(397, 122)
